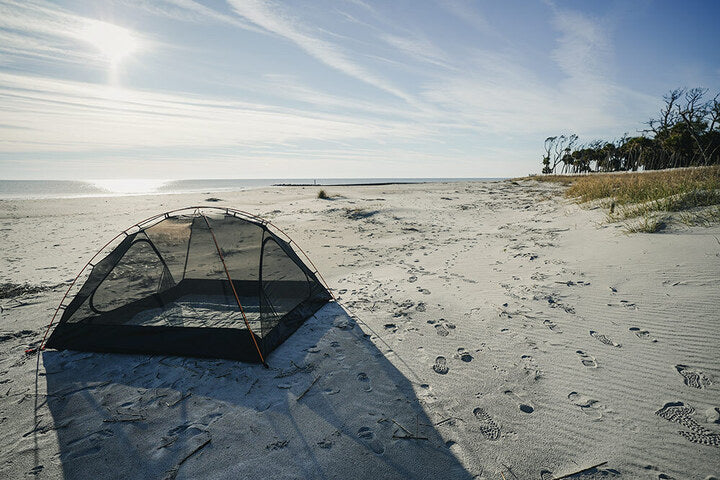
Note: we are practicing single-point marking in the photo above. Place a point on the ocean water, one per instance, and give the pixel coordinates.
(27, 189)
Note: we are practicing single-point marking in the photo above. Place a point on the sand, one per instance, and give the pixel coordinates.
(484, 330)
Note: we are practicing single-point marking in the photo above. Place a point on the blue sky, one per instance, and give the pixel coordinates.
(332, 88)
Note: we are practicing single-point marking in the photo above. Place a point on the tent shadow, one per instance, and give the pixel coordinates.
(330, 406)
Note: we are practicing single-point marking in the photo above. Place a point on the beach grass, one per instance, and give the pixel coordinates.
(689, 186)
(10, 290)
(648, 223)
(640, 195)
(704, 217)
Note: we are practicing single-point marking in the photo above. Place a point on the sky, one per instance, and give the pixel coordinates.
(176, 89)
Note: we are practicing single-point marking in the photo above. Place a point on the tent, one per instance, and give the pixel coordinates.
(199, 282)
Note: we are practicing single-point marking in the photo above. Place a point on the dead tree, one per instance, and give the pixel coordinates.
(557, 149)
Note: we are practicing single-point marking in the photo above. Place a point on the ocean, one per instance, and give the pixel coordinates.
(28, 189)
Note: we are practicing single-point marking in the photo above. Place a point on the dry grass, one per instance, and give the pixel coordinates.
(564, 179)
(647, 224)
(640, 194)
(641, 187)
(675, 203)
(11, 290)
(359, 213)
(704, 217)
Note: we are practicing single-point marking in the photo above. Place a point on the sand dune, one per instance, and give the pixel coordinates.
(484, 330)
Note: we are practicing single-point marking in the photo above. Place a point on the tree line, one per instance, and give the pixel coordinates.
(685, 134)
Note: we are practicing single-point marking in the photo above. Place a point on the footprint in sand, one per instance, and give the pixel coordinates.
(587, 360)
(678, 412)
(643, 334)
(391, 326)
(441, 330)
(365, 381)
(523, 405)
(488, 427)
(531, 367)
(546, 475)
(712, 415)
(464, 355)
(366, 435)
(552, 326)
(412, 279)
(603, 339)
(589, 407)
(442, 327)
(441, 366)
(693, 377)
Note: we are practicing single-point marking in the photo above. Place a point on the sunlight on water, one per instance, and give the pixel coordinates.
(129, 186)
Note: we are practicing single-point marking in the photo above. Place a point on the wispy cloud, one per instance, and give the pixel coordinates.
(42, 31)
(289, 87)
(187, 11)
(584, 50)
(273, 20)
(467, 12)
(53, 115)
(499, 93)
(420, 49)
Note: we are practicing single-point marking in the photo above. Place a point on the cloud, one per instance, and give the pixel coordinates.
(187, 11)
(502, 94)
(55, 115)
(463, 10)
(41, 31)
(288, 87)
(271, 19)
(584, 51)
(419, 48)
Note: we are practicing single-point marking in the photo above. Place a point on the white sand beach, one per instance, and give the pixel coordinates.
(490, 330)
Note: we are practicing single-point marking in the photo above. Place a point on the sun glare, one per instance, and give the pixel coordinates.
(113, 42)
(130, 186)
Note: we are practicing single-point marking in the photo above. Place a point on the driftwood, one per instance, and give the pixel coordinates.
(579, 471)
(409, 437)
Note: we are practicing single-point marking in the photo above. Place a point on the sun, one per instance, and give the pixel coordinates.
(113, 42)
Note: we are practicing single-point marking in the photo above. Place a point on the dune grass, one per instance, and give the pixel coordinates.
(647, 224)
(690, 184)
(680, 202)
(644, 194)
(704, 217)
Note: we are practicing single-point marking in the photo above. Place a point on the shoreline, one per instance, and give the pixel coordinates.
(212, 186)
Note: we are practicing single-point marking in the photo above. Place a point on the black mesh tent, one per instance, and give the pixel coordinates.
(199, 282)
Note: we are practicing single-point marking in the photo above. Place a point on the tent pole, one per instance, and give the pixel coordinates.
(232, 285)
